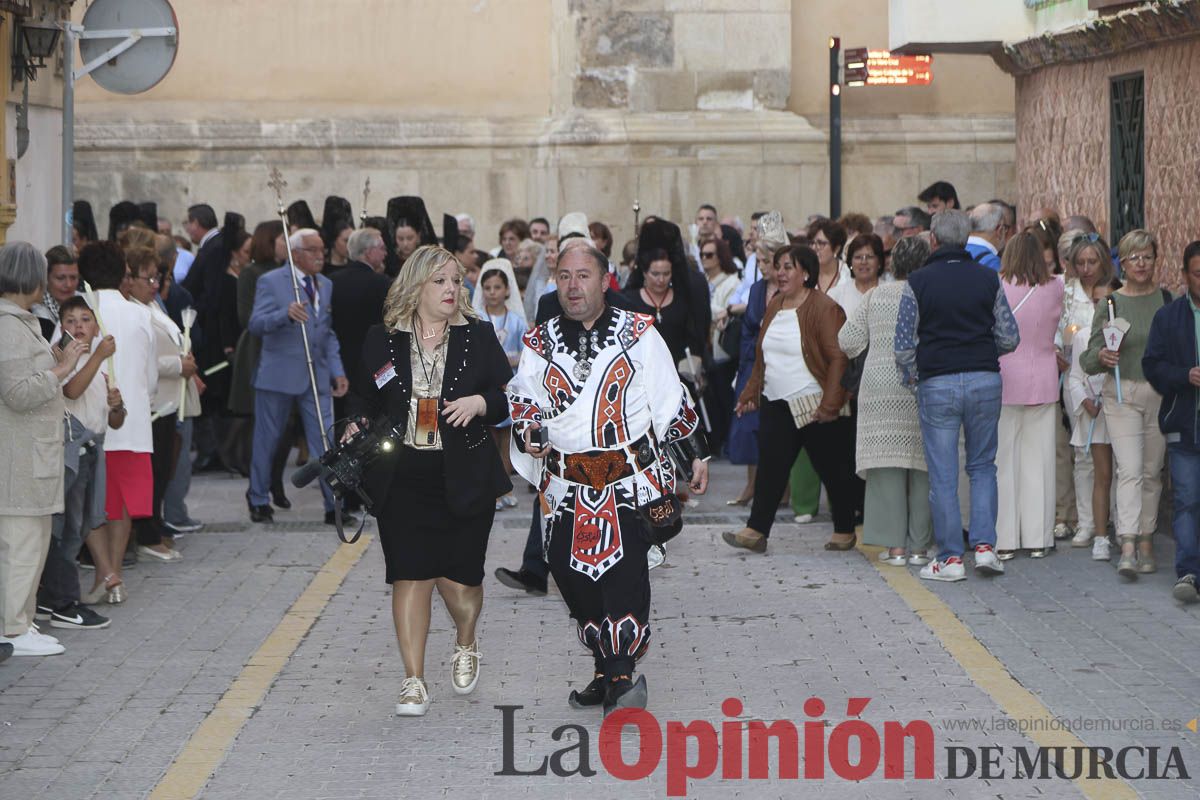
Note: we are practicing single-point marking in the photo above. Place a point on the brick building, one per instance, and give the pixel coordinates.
(1107, 112)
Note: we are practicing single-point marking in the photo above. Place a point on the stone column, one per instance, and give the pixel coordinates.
(8, 208)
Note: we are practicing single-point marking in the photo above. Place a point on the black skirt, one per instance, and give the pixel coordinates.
(421, 538)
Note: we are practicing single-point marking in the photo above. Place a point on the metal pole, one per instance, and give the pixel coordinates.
(835, 127)
(68, 131)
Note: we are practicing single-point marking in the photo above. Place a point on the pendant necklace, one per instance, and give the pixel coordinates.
(587, 344)
(827, 289)
(657, 306)
(428, 336)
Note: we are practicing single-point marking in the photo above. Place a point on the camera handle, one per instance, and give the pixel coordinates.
(341, 532)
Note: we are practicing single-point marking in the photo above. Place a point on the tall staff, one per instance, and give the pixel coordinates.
(278, 184)
(362, 216)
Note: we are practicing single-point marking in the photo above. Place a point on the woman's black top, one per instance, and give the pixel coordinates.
(475, 364)
(684, 322)
(673, 326)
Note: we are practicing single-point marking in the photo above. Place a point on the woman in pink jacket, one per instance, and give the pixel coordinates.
(1029, 376)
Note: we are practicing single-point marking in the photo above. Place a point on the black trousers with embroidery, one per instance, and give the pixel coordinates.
(613, 612)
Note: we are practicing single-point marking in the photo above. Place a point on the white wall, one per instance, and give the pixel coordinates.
(956, 22)
(39, 177)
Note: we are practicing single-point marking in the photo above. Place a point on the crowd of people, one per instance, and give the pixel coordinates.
(953, 378)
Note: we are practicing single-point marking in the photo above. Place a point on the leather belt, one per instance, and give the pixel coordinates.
(599, 468)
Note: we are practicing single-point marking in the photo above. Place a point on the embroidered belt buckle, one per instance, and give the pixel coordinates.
(597, 469)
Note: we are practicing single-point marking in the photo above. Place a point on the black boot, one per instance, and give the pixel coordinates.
(533, 584)
(621, 691)
(279, 499)
(591, 696)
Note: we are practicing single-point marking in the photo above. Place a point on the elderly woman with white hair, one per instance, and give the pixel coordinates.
(439, 374)
(532, 274)
(890, 453)
(31, 446)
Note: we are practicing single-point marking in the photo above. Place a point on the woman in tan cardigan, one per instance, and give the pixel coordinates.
(797, 387)
(31, 445)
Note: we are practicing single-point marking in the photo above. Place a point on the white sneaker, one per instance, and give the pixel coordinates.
(1062, 531)
(803, 519)
(32, 643)
(414, 698)
(655, 556)
(1081, 538)
(986, 561)
(1100, 548)
(949, 570)
(36, 630)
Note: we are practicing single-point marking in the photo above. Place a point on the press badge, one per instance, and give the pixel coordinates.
(386, 374)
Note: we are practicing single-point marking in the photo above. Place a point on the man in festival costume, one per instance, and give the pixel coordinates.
(599, 414)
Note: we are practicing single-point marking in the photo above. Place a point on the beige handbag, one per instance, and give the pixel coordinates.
(804, 406)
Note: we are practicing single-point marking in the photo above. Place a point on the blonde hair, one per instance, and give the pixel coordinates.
(136, 236)
(1081, 242)
(405, 292)
(1137, 239)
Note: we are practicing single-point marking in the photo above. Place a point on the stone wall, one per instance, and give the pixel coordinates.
(682, 55)
(598, 162)
(1063, 158)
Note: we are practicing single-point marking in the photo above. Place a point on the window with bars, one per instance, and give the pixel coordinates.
(1127, 158)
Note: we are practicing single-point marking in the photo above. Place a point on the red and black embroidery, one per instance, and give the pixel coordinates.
(609, 427)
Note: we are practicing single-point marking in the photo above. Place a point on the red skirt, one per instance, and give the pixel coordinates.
(129, 485)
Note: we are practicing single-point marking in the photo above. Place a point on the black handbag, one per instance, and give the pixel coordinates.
(730, 337)
(664, 519)
(852, 377)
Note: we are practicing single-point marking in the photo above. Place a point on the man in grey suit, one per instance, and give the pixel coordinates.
(282, 376)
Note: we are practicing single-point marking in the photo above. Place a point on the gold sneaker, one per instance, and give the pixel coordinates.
(414, 698)
(464, 667)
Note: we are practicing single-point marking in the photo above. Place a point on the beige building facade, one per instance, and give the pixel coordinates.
(538, 107)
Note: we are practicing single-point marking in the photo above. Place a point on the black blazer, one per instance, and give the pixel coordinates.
(475, 364)
(204, 276)
(203, 281)
(357, 304)
(549, 306)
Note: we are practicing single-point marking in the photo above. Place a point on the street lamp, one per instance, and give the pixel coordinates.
(33, 43)
(37, 42)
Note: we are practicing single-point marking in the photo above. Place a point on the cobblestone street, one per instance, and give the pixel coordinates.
(211, 664)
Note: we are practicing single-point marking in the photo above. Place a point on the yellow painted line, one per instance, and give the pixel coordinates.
(206, 748)
(988, 673)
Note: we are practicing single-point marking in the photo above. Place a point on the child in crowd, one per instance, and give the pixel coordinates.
(93, 408)
(510, 326)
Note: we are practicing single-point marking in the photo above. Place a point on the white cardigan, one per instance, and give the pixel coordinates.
(136, 369)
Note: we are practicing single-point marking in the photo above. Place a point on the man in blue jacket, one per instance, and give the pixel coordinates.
(1171, 362)
(282, 376)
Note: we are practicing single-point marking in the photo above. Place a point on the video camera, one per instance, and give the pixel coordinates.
(344, 465)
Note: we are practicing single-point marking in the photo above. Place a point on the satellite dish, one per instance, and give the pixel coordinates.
(128, 46)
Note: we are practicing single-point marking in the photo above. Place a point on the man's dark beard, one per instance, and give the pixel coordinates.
(522, 276)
